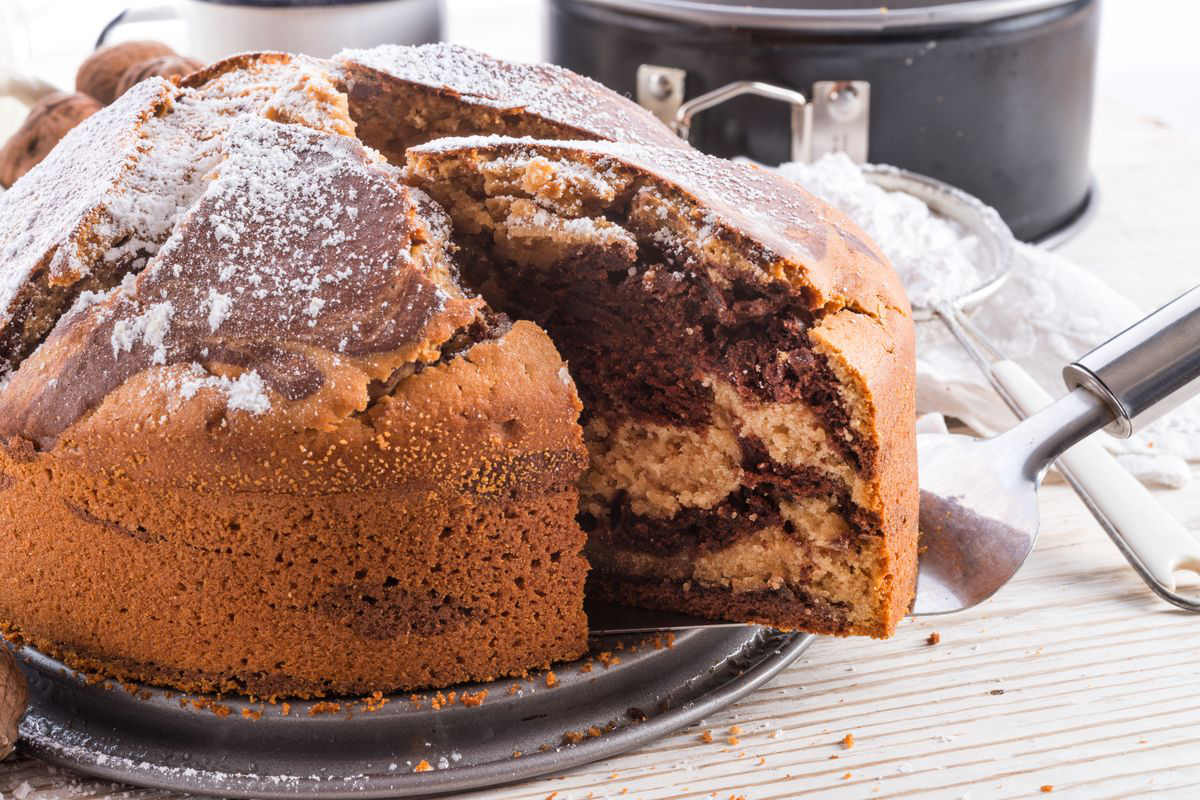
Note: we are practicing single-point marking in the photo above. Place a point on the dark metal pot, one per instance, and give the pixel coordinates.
(993, 96)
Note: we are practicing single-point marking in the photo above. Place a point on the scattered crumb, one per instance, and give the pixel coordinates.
(848, 741)
(706, 737)
(733, 741)
(996, 691)
(595, 731)
(285, 709)
(324, 707)
(608, 659)
(374, 701)
(513, 689)
(422, 766)
(1047, 788)
(551, 680)
(762, 760)
(517, 754)
(735, 730)
(934, 638)
(572, 737)
(250, 713)
(473, 700)
(847, 776)
(551, 796)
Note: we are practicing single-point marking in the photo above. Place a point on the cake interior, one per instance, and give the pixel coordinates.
(725, 475)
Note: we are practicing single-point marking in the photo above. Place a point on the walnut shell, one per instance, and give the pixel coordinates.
(48, 121)
(164, 67)
(100, 73)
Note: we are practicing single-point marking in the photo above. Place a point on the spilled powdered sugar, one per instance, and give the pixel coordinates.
(934, 256)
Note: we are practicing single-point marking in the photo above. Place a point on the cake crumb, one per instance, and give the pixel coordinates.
(551, 679)
(285, 709)
(374, 701)
(422, 766)
(706, 737)
(472, 700)
(735, 730)
(847, 776)
(324, 707)
(608, 659)
(733, 741)
(848, 741)
(572, 737)
(1047, 788)
(250, 713)
(934, 638)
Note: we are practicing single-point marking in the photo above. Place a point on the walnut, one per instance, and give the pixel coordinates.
(171, 66)
(100, 73)
(49, 120)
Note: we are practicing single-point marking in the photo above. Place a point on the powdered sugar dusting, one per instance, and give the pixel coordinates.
(149, 328)
(218, 308)
(544, 90)
(41, 216)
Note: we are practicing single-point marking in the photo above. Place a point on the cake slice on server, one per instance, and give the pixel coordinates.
(745, 360)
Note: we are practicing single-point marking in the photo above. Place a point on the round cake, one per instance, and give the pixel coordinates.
(283, 410)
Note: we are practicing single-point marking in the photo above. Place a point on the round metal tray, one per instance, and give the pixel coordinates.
(523, 728)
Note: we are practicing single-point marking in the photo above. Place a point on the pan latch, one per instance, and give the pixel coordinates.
(835, 120)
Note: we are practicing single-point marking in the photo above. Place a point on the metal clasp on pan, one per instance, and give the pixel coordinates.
(837, 118)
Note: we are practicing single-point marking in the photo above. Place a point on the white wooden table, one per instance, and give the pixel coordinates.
(1073, 677)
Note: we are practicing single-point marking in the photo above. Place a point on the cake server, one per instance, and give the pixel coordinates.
(979, 515)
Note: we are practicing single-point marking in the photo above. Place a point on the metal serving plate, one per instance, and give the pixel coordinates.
(235, 748)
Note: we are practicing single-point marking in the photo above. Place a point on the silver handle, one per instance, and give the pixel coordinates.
(801, 111)
(1148, 369)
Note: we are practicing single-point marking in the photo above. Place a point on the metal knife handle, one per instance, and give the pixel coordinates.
(1148, 369)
